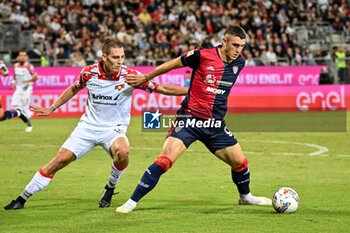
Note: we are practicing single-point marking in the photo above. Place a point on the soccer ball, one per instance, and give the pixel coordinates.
(285, 200)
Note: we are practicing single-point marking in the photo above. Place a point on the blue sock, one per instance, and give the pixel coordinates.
(9, 114)
(242, 180)
(148, 181)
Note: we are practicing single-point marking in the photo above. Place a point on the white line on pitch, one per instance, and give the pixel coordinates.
(342, 156)
(321, 150)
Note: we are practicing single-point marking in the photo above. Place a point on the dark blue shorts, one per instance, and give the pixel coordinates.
(212, 133)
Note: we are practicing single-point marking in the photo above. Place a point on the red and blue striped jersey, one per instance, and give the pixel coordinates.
(211, 83)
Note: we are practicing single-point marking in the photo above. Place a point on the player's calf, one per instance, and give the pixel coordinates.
(7, 115)
(39, 181)
(148, 181)
(151, 176)
(22, 115)
(241, 177)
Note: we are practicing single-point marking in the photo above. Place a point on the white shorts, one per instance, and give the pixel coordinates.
(21, 98)
(82, 139)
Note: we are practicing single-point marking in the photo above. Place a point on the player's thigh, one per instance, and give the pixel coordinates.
(232, 155)
(223, 144)
(62, 159)
(80, 141)
(173, 148)
(178, 140)
(114, 141)
(216, 139)
(26, 98)
(16, 100)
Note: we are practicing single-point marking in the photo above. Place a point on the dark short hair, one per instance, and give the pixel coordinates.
(111, 43)
(236, 31)
(23, 50)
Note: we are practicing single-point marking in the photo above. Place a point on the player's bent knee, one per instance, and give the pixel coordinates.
(164, 162)
(242, 166)
(121, 154)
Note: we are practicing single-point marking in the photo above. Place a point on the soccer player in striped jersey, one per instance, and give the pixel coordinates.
(6, 115)
(105, 122)
(201, 117)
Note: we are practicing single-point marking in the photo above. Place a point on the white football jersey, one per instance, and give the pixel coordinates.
(22, 73)
(109, 97)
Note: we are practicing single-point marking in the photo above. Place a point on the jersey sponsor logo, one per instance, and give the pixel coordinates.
(177, 129)
(119, 131)
(215, 90)
(235, 69)
(119, 87)
(210, 79)
(94, 85)
(210, 68)
(102, 97)
(190, 53)
(144, 185)
(224, 83)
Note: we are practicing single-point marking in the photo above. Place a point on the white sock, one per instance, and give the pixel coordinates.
(37, 183)
(115, 176)
(247, 196)
(131, 204)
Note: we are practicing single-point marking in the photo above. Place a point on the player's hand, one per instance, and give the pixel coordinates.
(136, 80)
(3, 72)
(40, 111)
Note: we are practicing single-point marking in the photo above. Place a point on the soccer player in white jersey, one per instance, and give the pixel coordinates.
(6, 115)
(106, 118)
(23, 79)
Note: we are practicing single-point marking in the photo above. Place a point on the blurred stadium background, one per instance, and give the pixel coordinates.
(70, 32)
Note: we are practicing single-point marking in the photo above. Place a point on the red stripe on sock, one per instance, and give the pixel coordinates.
(44, 175)
(164, 162)
(120, 168)
(242, 166)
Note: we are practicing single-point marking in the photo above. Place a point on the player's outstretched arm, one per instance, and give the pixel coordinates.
(170, 89)
(139, 79)
(66, 95)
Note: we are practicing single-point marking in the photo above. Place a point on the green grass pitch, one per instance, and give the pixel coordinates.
(196, 195)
